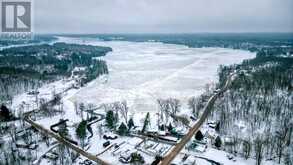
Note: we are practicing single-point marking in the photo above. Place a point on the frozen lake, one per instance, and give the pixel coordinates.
(141, 72)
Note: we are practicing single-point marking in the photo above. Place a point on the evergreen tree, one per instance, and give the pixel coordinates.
(157, 160)
(170, 127)
(5, 113)
(162, 127)
(218, 142)
(146, 122)
(198, 135)
(81, 132)
(110, 119)
(218, 127)
(136, 158)
(122, 130)
(130, 123)
(81, 129)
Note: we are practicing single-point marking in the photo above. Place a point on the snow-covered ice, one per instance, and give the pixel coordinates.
(141, 72)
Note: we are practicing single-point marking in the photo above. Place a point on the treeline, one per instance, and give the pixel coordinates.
(99, 67)
(262, 72)
(37, 64)
(246, 41)
(35, 39)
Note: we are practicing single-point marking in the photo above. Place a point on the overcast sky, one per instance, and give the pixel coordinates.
(162, 16)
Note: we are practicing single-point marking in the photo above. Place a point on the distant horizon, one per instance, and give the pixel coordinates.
(159, 33)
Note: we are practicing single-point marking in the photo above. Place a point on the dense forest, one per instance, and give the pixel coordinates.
(34, 40)
(280, 42)
(27, 67)
(255, 114)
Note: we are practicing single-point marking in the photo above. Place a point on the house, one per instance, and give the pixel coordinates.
(33, 92)
(197, 146)
(162, 133)
(229, 141)
(212, 124)
(210, 134)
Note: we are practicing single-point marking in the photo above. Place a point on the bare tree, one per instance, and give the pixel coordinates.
(246, 149)
(258, 147)
(281, 138)
(90, 110)
(107, 107)
(164, 109)
(183, 119)
(124, 110)
(100, 131)
(192, 105)
(174, 105)
(81, 108)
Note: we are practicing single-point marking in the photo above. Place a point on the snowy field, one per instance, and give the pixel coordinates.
(142, 72)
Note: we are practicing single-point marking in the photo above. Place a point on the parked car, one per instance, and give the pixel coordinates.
(106, 144)
(230, 157)
(192, 118)
(86, 162)
(124, 160)
(110, 137)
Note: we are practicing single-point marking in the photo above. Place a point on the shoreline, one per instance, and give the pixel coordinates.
(149, 101)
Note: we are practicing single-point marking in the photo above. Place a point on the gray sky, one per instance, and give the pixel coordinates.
(162, 16)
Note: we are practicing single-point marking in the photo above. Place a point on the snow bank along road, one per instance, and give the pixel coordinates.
(207, 110)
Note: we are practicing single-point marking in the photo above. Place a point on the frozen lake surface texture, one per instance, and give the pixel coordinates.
(141, 72)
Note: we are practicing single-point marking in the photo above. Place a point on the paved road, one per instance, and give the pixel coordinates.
(207, 110)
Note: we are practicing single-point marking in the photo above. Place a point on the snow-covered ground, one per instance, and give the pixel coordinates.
(216, 155)
(28, 102)
(140, 73)
(211, 153)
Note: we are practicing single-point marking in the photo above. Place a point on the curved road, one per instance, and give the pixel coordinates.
(61, 140)
(207, 110)
(64, 141)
